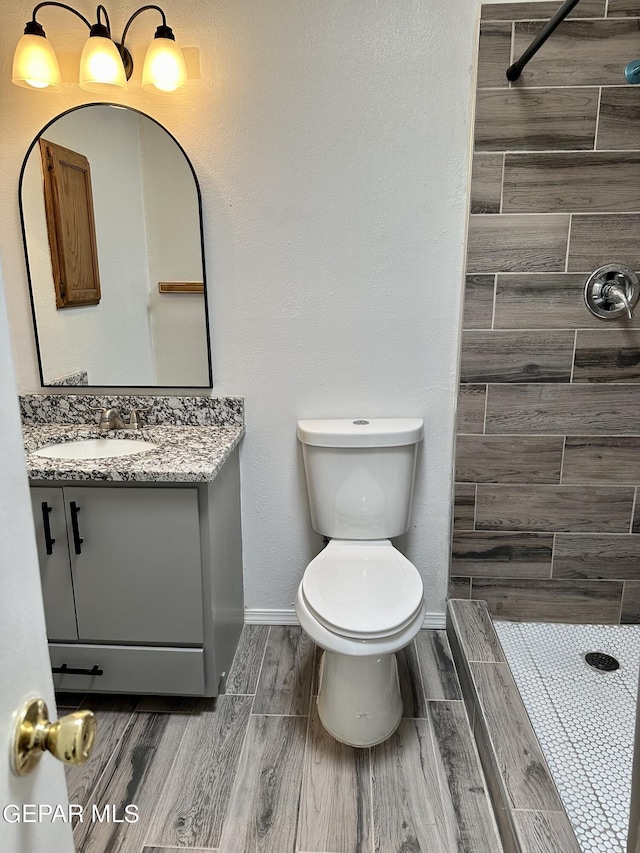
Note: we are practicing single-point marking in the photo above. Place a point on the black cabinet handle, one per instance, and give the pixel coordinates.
(77, 539)
(65, 669)
(49, 541)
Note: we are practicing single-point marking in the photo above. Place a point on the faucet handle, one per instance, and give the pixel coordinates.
(109, 418)
(134, 419)
(104, 412)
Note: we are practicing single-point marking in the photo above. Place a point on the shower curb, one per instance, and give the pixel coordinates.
(530, 816)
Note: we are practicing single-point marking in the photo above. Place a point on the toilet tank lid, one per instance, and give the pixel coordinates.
(361, 432)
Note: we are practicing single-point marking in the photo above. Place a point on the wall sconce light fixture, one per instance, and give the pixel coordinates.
(105, 65)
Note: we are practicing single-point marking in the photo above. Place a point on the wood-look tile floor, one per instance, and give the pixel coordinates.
(254, 770)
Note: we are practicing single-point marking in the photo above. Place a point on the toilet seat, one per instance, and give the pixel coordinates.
(362, 590)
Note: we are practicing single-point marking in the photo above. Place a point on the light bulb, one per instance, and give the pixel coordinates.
(164, 69)
(35, 65)
(101, 67)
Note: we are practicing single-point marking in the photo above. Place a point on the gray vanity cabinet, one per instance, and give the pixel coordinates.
(135, 564)
(53, 556)
(142, 584)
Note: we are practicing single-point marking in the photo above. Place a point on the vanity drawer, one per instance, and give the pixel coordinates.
(129, 669)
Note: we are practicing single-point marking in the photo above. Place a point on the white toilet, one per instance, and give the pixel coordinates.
(360, 599)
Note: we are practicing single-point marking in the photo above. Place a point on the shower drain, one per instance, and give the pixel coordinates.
(601, 661)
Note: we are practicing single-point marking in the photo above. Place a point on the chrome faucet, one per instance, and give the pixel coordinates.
(614, 292)
(111, 419)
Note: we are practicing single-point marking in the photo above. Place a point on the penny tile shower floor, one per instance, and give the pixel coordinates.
(583, 718)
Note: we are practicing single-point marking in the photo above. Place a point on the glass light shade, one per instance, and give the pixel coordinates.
(164, 69)
(101, 68)
(35, 65)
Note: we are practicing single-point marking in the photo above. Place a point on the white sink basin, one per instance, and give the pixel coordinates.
(95, 448)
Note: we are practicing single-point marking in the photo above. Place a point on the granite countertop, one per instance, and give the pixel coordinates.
(187, 454)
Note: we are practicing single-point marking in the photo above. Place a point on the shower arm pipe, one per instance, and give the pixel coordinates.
(515, 70)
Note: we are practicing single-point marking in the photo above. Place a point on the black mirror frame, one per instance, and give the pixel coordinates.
(152, 388)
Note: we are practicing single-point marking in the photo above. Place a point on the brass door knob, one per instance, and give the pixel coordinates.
(70, 739)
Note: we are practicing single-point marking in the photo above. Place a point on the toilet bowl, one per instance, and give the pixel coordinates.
(360, 599)
(361, 603)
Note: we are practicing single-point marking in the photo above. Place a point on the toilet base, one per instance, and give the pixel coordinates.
(359, 701)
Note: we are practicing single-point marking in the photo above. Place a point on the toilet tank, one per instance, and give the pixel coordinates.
(360, 475)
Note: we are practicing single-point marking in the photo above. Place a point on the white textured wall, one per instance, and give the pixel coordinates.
(177, 320)
(331, 143)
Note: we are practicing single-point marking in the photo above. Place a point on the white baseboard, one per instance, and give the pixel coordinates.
(435, 621)
(287, 616)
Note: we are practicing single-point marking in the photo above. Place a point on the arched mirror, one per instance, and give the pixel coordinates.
(112, 227)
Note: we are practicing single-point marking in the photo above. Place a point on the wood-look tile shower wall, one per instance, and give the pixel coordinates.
(547, 521)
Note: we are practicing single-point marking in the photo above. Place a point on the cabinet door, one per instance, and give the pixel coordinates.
(53, 556)
(71, 225)
(137, 572)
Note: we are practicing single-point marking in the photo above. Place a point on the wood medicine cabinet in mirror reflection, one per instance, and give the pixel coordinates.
(70, 225)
